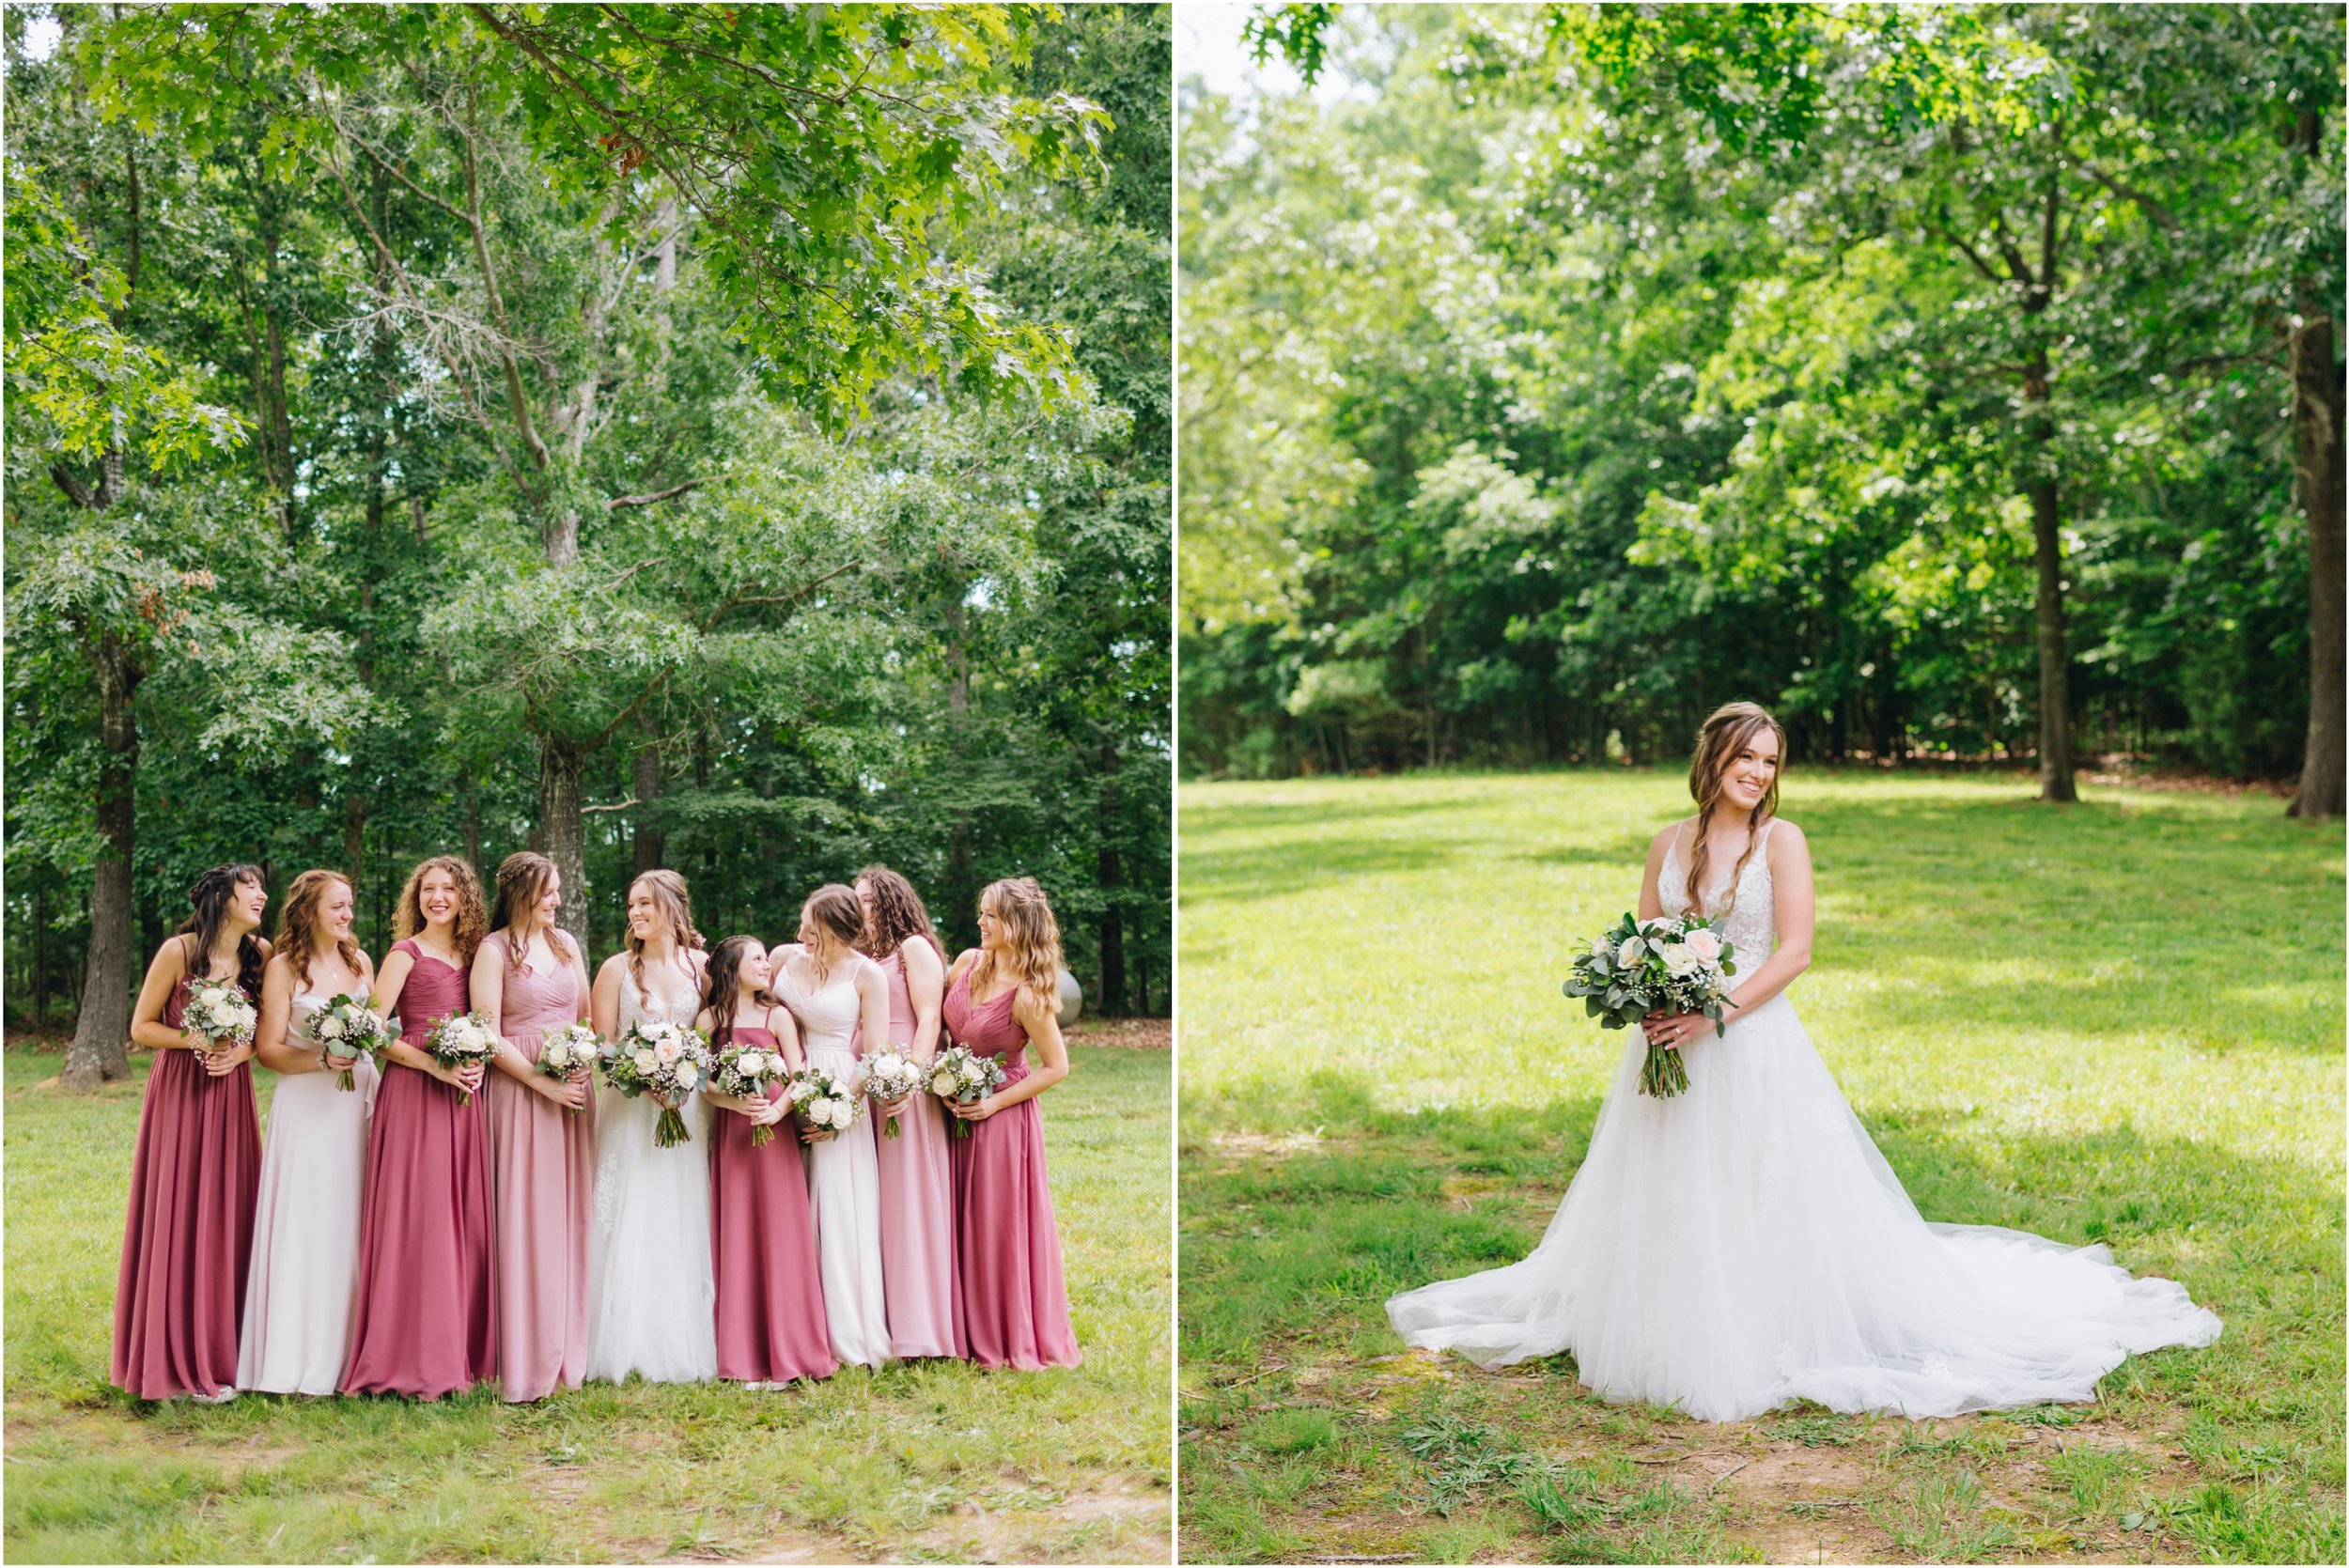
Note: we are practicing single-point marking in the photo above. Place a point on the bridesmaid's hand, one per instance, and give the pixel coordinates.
(467, 1077)
(818, 1134)
(568, 1092)
(220, 1064)
(889, 1109)
(770, 1112)
(974, 1110)
(196, 1041)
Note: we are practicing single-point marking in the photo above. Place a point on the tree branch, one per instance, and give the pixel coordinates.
(739, 601)
(2161, 215)
(617, 502)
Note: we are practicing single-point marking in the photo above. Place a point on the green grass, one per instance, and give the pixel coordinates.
(2120, 1022)
(928, 1462)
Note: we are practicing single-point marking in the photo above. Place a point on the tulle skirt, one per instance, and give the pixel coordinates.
(1744, 1244)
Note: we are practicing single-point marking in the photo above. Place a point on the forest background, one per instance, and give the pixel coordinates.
(731, 439)
(1962, 382)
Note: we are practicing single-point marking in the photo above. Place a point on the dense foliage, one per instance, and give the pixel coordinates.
(730, 437)
(1916, 372)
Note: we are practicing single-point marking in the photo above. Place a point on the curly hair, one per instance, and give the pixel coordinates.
(522, 882)
(898, 915)
(472, 916)
(1721, 737)
(210, 895)
(671, 904)
(1031, 934)
(298, 926)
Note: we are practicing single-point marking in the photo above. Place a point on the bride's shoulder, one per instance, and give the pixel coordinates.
(1785, 838)
(1667, 835)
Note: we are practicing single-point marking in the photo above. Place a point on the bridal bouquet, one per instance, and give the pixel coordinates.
(962, 1074)
(461, 1040)
(824, 1103)
(668, 1059)
(219, 1012)
(564, 1050)
(349, 1026)
(891, 1074)
(744, 1072)
(1677, 963)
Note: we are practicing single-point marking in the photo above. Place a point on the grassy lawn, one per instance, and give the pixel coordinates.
(2118, 1022)
(930, 1462)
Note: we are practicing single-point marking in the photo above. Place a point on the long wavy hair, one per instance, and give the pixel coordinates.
(670, 904)
(299, 927)
(1031, 935)
(721, 982)
(898, 915)
(210, 895)
(837, 911)
(522, 882)
(1721, 737)
(472, 916)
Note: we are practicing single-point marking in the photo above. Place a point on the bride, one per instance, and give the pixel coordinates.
(1743, 1245)
(652, 1292)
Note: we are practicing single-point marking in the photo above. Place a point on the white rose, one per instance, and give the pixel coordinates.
(1679, 960)
(1631, 951)
(1705, 944)
(820, 1110)
(942, 1082)
(667, 1051)
(556, 1054)
(644, 1062)
(887, 1064)
(331, 1029)
(688, 1072)
(750, 1064)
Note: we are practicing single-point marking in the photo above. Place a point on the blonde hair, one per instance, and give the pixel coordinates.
(669, 901)
(1032, 937)
(521, 881)
(298, 920)
(472, 917)
(1721, 737)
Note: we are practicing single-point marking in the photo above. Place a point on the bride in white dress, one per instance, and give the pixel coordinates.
(840, 996)
(1743, 1245)
(651, 1288)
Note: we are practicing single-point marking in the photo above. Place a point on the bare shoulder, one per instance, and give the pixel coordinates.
(1786, 841)
(1784, 831)
(263, 943)
(918, 955)
(1664, 836)
(964, 959)
(612, 967)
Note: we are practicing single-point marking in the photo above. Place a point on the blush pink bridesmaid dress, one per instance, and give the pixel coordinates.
(541, 1194)
(771, 1327)
(917, 1204)
(180, 1295)
(1011, 1304)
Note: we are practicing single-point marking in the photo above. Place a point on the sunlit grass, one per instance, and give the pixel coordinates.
(2117, 1023)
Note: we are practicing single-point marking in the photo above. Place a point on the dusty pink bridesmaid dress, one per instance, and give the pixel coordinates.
(541, 1194)
(771, 1327)
(1011, 1305)
(917, 1205)
(179, 1296)
(425, 1324)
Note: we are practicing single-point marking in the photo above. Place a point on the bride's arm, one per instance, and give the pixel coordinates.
(1795, 898)
(1651, 900)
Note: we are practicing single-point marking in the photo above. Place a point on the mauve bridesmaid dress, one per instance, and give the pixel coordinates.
(771, 1327)
(188, 1238)
(1011, 1304)
(542, 1194)
(425, 1324)
(917, 1204)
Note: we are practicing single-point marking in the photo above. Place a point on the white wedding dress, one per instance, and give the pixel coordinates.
(842, 1175)
(652, 1289)
(1743, 1245)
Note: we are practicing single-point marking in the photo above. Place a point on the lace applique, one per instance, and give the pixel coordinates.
(1752, 924)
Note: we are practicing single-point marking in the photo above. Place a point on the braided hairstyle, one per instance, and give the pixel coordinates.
(1721, 737)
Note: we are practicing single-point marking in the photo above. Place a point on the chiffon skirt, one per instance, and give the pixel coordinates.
(304, 1276)
(1011, 1303)
(771, 1327)
(1744, 1244)
(917, 1229)
(843, 1192)
(189, 1231)
(541, 1184)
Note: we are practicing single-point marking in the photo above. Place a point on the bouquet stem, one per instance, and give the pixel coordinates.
(761, 1136)
(669, 1131)
(962, 1128)
(890, 1129)
(344, 1081)
(1663, 1074)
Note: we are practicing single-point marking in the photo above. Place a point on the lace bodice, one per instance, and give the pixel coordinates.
(1752, 922)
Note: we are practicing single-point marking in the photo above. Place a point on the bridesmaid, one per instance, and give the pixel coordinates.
(188, 1233)
(832, 991)
(305, 1230)
(425, 1324)
(1011, 1307)
(529, 978)
(917, 1178)
(762, 1236)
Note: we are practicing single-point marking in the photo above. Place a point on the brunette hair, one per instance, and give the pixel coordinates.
(835, 909)
(721, 982)
(1721, 737)
(1033, 936)
(473, 918)
(521, 881)
(670, 900)
(211, 895)
(898, 916)
(297, 924)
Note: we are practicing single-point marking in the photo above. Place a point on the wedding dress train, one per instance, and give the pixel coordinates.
(1743, 1245)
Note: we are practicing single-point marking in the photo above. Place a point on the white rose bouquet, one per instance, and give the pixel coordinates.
(461, 1040)
(564, 1050)
(744, 1072)
(1677, 963)
(823, 1102)
(220, 1012)
(961, 1074)
(669, 1059)
(349, 1026)
(890, 1073)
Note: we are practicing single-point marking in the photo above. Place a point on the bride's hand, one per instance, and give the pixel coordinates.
(1674, 1030)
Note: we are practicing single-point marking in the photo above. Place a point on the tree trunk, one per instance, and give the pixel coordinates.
(961, 897)
(650, 844)
(1112, 991)
(2054, 699)
(561, 835)
(102, 1030)
(2316, 428)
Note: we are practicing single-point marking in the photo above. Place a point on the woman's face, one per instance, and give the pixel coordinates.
(865, 899)
(810, 937)
(437, 897)
(551, 898)
(246, 903)
(991, 926)
(756, 971)
(1749, 773)
(642, 916)
(335, 911)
